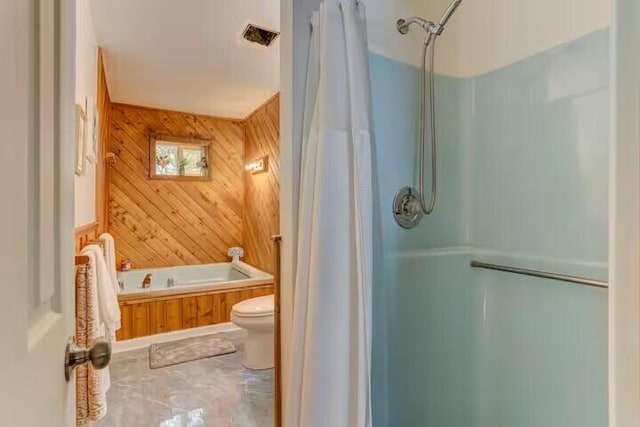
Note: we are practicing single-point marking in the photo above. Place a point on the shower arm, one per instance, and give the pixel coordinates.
(431, 28)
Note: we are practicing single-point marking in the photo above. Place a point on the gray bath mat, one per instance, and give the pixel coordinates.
(188, 349)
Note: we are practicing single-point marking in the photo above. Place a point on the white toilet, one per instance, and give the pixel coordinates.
(256, 316)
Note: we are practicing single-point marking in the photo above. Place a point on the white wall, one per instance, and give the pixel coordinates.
(483, 35)
(385, 40)
(86, 78)
(494, 33)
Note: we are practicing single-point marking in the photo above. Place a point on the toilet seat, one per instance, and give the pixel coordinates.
(254, 307)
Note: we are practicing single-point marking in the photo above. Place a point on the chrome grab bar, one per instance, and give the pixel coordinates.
(542, 274)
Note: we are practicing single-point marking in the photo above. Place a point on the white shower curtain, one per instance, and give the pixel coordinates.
(331, 343)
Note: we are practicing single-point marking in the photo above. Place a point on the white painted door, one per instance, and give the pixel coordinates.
(36, 217)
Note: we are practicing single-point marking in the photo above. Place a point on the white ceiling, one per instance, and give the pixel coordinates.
(188, 55)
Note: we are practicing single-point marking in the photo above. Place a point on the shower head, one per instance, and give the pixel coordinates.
(447, 15)
(428, 26)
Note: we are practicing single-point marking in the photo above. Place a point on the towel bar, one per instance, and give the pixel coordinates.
(542, 274)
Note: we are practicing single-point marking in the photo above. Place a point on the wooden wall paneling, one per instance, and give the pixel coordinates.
(174, 314)
(127, 244)
(231, 298)
(174, 222)
(189, 312)
(157, 317)
(219, 151)
(140, 320)
(218, 307)
(124, 333)
(103, 109)
(179, 292)
(262, 191)
(221, 221)
(157, 198)
(163, 216)
(147, 231)
(85, 234)
(205, 309)
(261, 292)
(246, 294)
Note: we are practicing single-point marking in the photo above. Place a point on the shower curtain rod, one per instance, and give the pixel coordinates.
(542, 274)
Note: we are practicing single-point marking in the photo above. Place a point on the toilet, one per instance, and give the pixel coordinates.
(256, 316)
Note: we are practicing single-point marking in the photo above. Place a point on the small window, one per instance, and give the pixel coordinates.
(179, 158)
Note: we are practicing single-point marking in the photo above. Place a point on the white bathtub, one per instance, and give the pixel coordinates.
(192, 278)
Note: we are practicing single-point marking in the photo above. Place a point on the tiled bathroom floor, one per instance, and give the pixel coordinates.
(217, 391)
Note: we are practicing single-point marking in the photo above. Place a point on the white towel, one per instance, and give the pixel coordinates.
(107, 294)
(110, 257)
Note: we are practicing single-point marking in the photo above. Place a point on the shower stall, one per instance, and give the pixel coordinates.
(492, 309)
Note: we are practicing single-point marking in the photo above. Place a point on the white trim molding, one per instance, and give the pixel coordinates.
(624, 217)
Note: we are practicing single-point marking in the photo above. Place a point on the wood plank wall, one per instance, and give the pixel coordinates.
(103, 107)
(142, 315)
(85, 234)
(262, 191)
(157, 223)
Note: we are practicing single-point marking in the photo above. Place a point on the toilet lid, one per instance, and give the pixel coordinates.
(260, 306)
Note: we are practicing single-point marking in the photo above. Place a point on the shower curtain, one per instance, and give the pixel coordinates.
(331, 342)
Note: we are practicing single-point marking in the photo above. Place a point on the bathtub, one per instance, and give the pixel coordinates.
(191, 278)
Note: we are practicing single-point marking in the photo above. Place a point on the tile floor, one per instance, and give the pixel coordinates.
(217, 392)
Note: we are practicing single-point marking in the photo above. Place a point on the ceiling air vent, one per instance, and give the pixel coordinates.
(259, 35)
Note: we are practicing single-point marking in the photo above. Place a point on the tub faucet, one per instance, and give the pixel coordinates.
(146, 282)
(236, 253)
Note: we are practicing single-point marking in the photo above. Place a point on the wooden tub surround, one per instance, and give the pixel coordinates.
(146, 314)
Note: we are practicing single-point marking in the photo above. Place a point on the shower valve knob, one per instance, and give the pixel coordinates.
(407, 210)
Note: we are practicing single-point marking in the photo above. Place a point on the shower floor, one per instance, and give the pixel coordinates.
(217, 391)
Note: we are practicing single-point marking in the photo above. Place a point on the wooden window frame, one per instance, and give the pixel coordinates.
(179, 141)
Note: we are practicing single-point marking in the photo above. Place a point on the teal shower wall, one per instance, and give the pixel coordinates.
(538, 138)
(478, 348)
(394, 106)
(523, 173)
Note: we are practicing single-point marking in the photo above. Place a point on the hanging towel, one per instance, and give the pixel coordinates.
(91, 384)
(107, 293)
(110, 257)
(329, 382)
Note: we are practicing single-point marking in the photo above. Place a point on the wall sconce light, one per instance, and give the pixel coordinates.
(258, 166)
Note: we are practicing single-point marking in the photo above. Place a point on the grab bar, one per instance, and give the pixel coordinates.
(542, 274)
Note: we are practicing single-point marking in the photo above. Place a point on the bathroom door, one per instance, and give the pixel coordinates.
(36, 211)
